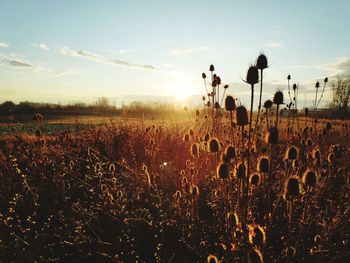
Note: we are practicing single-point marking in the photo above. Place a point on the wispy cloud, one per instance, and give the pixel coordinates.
(15, 62)
(3, 45)
(273, 44)
(274, 32)
(122, 51)
(186, 51)
(67, 51)
(341, 65)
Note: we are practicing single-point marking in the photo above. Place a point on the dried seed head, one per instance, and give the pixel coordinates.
(204, 76)
(252, 75)
(230, 104)
(292, 153)
(214, 145)
(186, 137)
(272, 136)
(194, 190)
(288, 77)
(254, 179)
(278, 98)
(241, 116)
(231, 152)
(267, 104)
(241, 171)
(211, 68)
(232, 220)
(292, 188)
(223, 171)
(309, 178)
(195, 149)
(263, 165)
(261, 62)
(317, 85)
(217, 105)
(294, 87)
(206, 137)
(309, 142)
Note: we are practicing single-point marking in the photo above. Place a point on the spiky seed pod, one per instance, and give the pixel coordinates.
(252, 75)
(278, 98)
(316, 154)
(317, 85)
(309, 178)
(272, 136)
(211, 68)
(214, 145)
(292, 188)
(204, 76)
(206, 137)
(186, 137)
(223, 171)
(254, 179)
(195, 149)
(232, 220)
(309, 142)
(241, 171)
(292, 153)
(241, 116)
(194, 190)
(288, 77)
(267, 104)
(230, 104)
(328, 126)
(255, 256)
(231, 152)
(261, 62)
(178, 194)
(212, 259)
(263, 165)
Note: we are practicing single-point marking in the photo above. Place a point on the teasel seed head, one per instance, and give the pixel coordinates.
(252, 75)
(241, 116)
(214, 145)
(309, 178)
(230, 104)
(278, 98)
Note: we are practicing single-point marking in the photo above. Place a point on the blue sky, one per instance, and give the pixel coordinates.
(79, 50)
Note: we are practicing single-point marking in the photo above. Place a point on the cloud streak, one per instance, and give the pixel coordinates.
(3, 45)
(27, 66)
(273, 44)
(71, 52)
(341, 65)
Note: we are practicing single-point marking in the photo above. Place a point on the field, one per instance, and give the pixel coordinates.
(100, 189)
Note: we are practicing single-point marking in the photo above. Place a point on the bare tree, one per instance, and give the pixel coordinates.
(341, 95)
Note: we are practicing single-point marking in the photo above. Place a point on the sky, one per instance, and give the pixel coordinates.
(70, 51)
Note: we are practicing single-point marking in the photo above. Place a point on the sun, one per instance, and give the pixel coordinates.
(180, 91)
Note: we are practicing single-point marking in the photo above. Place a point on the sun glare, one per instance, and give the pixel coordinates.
(180, 91)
